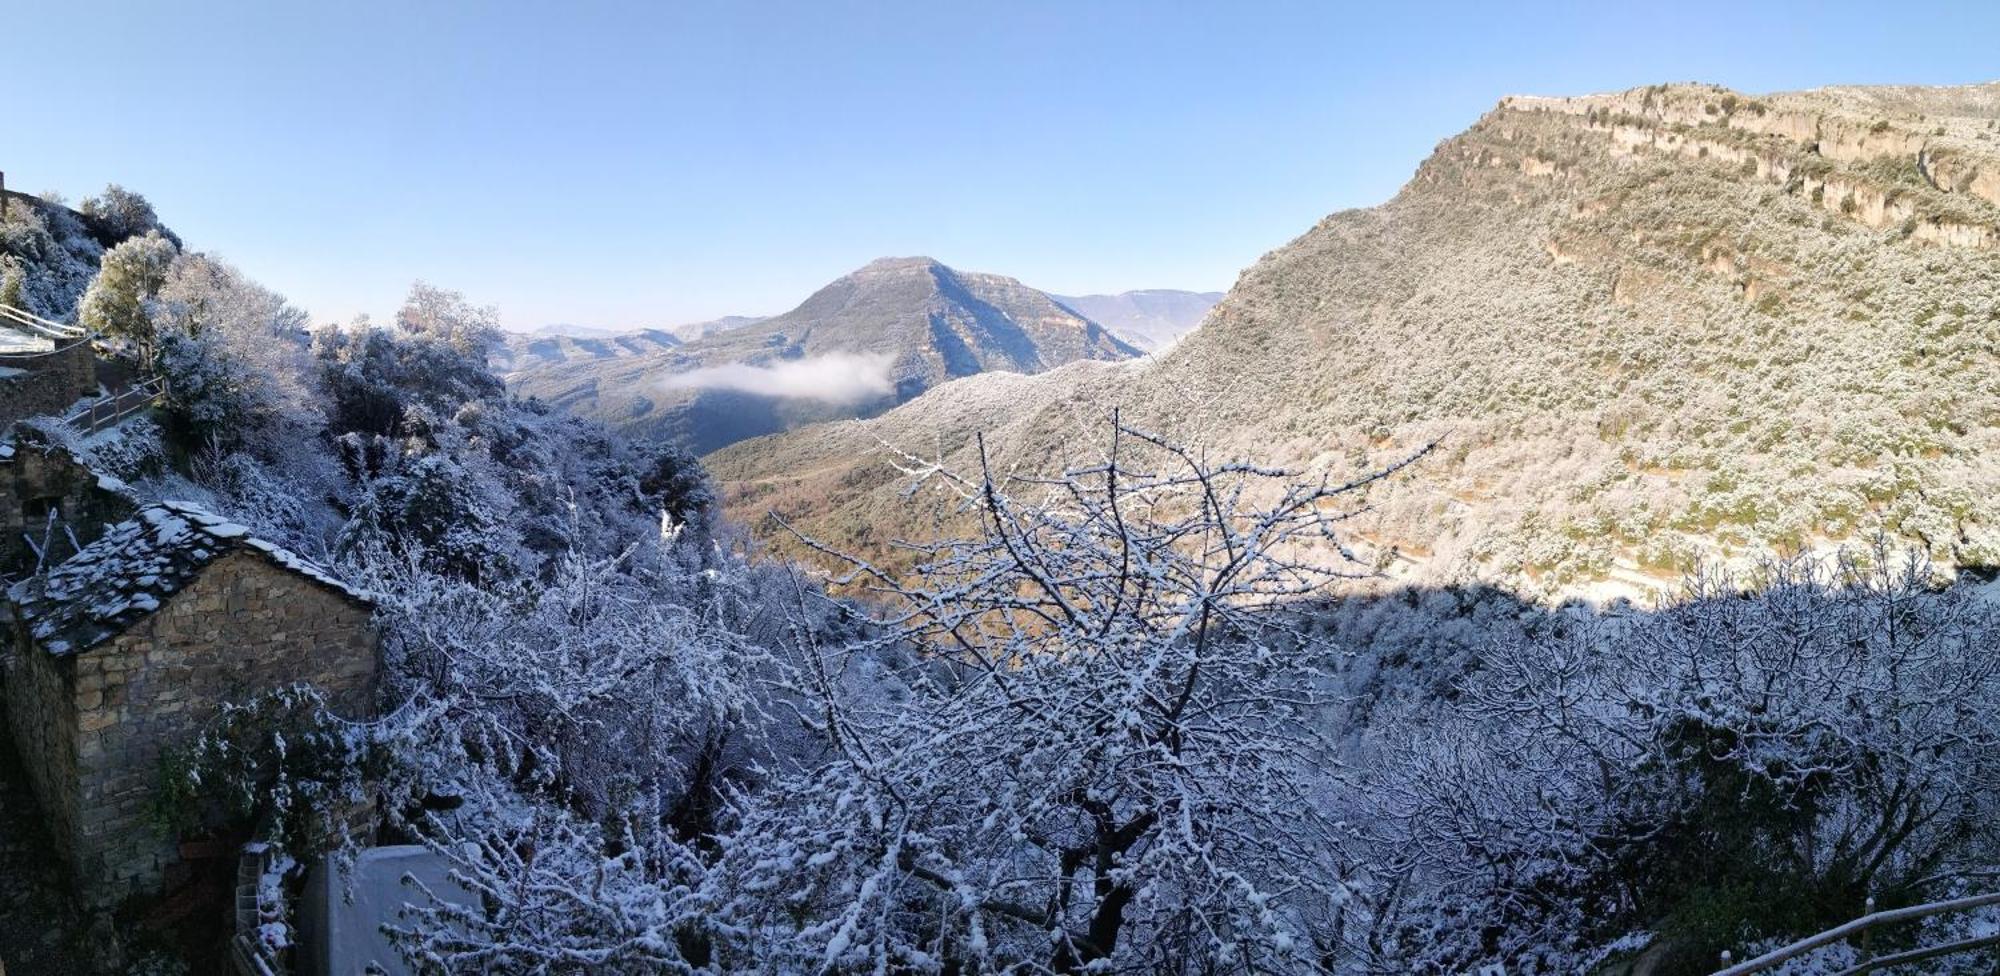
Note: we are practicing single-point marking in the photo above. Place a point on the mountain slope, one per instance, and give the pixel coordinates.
(1150, 319)
(520, 353)
(701, 330)
(860, 345)
(1651, 326)
(48, 254)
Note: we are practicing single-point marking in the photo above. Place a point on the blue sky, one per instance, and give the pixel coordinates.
(648, 163)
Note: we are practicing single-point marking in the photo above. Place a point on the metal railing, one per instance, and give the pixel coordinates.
(1862, 927)
(106, 411)
(39, 326)
(246, 949)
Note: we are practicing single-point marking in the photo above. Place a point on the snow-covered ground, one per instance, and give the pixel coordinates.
(17, 342)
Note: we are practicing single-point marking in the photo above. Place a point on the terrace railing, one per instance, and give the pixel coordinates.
(33, 324)
(1866, 924)
(107, 411)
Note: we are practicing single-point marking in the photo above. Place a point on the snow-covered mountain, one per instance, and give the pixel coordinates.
(556, 345)
(701, 330)
(1645, 327)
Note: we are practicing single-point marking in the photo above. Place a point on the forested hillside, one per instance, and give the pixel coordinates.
(48, 252)
(517, 353)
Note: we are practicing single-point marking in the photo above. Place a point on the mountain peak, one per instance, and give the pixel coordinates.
(908, 323)
(903, 264)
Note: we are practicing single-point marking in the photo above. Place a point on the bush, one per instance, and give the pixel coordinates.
(117, 215)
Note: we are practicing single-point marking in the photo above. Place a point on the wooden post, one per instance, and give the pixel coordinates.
(3, 216)
(1867, 935)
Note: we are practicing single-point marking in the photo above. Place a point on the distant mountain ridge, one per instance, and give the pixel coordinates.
(701, 330)
(1150, 319)
(882, 334)
(545, 347)
(558, 343)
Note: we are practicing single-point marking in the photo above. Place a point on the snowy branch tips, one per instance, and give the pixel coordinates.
(1106, 750)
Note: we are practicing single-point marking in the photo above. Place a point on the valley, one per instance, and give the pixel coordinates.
(1581, 561)
(1646, 329)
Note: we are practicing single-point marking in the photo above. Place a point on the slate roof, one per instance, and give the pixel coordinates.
(129, 572)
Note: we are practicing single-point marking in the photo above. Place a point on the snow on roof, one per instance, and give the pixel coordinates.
(130, 571)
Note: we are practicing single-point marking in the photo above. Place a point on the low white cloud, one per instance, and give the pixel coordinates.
(839, 377)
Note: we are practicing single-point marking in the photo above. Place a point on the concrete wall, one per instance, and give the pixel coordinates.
(49, 383)
(243, 627)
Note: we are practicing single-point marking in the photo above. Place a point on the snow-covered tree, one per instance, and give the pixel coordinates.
(1740, 764)
(51, 254)
(579, 743)
(131, 274)
(435, 357)
(118, 215)
(233, 354)
(13, 282)
(445, 316)
(1104, 754)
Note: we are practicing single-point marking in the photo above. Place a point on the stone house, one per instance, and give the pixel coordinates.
(127, 648)
(49, 495)
(45, 382)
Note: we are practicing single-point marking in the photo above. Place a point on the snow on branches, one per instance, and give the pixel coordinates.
(1761, 757)
(1108, 751)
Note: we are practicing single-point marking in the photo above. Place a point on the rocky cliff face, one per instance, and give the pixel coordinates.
(862, 344)
(1647, 328)
(1882, 157)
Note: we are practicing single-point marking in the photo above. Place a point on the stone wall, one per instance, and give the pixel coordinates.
(38, 477)
(246, 625)
(34, 384)
(37, 697)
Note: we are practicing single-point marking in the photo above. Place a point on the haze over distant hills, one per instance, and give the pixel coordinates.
(574, 331)
(554, 345)
(860, 345)
(1150, 319)
(559, 342)
(700, 330)
(1651, 327)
